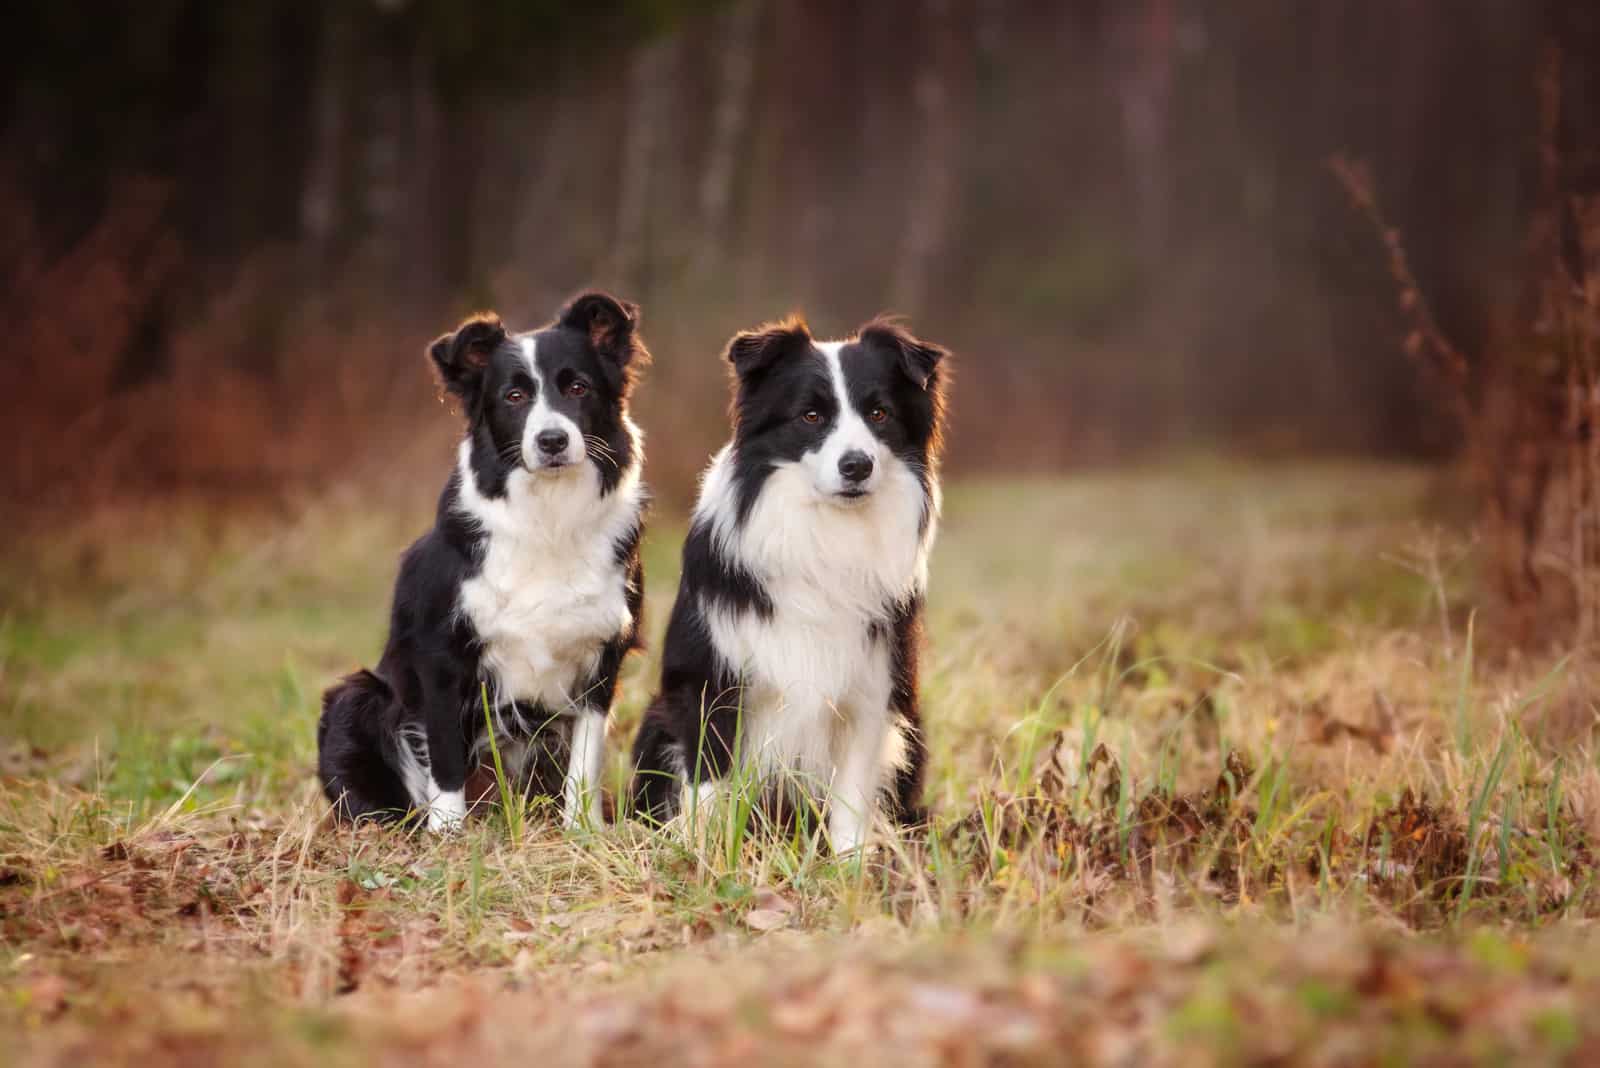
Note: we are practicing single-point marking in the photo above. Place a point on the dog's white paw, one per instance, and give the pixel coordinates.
(447, 811)
(847, 830)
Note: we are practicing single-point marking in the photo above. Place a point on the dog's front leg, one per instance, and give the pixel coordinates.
(445, 789)
(858, 771)
(580, 794)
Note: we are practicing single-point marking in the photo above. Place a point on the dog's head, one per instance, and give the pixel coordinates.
(548, 400)
(844, 412)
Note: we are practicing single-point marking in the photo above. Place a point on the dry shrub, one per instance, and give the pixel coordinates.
(71, 316)
(1528, 404)
(337, 392)
(1111, 842)
(1083, 825)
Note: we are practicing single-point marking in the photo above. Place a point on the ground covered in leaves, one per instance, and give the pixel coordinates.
(1222, 771)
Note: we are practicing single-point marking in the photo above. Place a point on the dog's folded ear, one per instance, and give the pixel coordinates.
(612, 327)
(752, 351)
(919, 359)
(459, 357)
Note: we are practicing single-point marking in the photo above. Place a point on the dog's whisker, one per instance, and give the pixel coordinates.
(604, 451)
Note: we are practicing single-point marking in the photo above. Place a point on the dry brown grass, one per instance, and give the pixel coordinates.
(1216, 772)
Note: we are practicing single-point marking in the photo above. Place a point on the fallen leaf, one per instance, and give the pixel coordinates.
(765, 897)
(48, 995)
(766, 919)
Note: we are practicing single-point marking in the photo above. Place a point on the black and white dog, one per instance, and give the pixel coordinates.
(528, 584)
(792, 647)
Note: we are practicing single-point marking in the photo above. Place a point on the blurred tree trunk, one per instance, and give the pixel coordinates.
(943, 101)
(320, 201)
(650, 115)
(538, 272)
(268, 110)
(802, 120)
(439, 187)
(1144, 92)
(388, 169)
(737, 33)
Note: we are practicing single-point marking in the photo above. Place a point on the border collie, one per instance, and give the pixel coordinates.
(792, 647)
(528, 584)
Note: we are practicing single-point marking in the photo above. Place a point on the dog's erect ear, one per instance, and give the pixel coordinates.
(753, 351)
(919, 359)
(611, 326)
(460, 357)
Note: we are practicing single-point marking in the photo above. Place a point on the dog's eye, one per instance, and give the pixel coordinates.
(515, 396)
(811, 416)
(577, 388)
(878, 414)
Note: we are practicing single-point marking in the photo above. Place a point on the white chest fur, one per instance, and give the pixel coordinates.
(814, 670)
(550, 592)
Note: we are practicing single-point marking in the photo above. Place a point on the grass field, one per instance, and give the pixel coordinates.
(1221, 773)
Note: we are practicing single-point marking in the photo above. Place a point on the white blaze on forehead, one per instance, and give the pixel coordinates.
(850, 424)
(530, 349)
(830, 358)
(543, 417)
(850, 432)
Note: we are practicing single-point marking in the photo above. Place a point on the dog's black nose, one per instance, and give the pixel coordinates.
(552, 442)
(855, 466)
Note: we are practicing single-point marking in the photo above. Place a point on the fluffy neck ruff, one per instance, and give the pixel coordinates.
(819, 558)
(549, 509)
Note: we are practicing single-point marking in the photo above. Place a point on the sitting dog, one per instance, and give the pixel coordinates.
(792, 646)
(528, 586)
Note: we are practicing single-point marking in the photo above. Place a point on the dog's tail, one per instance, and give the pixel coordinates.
(656, 768)
(354, 749)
